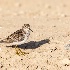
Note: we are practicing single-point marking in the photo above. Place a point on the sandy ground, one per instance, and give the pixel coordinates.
(49, 20)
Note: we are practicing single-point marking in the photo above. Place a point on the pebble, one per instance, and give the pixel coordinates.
(67, 46)
(0, 27)
(65, 61)
(0, 49)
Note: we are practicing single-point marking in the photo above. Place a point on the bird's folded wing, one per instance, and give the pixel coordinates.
(16, 36)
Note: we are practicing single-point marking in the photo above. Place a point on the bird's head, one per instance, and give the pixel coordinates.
(26, 26)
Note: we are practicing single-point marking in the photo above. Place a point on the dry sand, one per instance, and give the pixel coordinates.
(50, 20)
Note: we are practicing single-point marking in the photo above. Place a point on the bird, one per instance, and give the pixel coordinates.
(18, 37)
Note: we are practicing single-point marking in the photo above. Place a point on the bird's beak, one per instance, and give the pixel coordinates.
(30, 29)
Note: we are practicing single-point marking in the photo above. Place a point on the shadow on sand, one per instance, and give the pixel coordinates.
(32, 44)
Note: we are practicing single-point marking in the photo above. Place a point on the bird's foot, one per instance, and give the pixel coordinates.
(19, 52)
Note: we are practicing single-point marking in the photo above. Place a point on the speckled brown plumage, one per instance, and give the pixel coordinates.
(19, 35)
(16, 36)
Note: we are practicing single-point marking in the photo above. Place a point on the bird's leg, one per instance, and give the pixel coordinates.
(19, 52)
(15, 46)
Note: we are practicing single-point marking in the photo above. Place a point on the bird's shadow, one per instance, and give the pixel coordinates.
(32, 44)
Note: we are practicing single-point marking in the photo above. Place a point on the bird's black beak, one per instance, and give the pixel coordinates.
(30, 29)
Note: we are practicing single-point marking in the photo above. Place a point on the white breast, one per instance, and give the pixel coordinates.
(23, 41)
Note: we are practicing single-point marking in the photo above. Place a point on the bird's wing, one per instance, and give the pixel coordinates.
(14, 37)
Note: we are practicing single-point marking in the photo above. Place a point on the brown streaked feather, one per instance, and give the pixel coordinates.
(16, 36)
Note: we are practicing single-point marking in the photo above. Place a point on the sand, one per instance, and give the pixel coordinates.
(50, 22)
